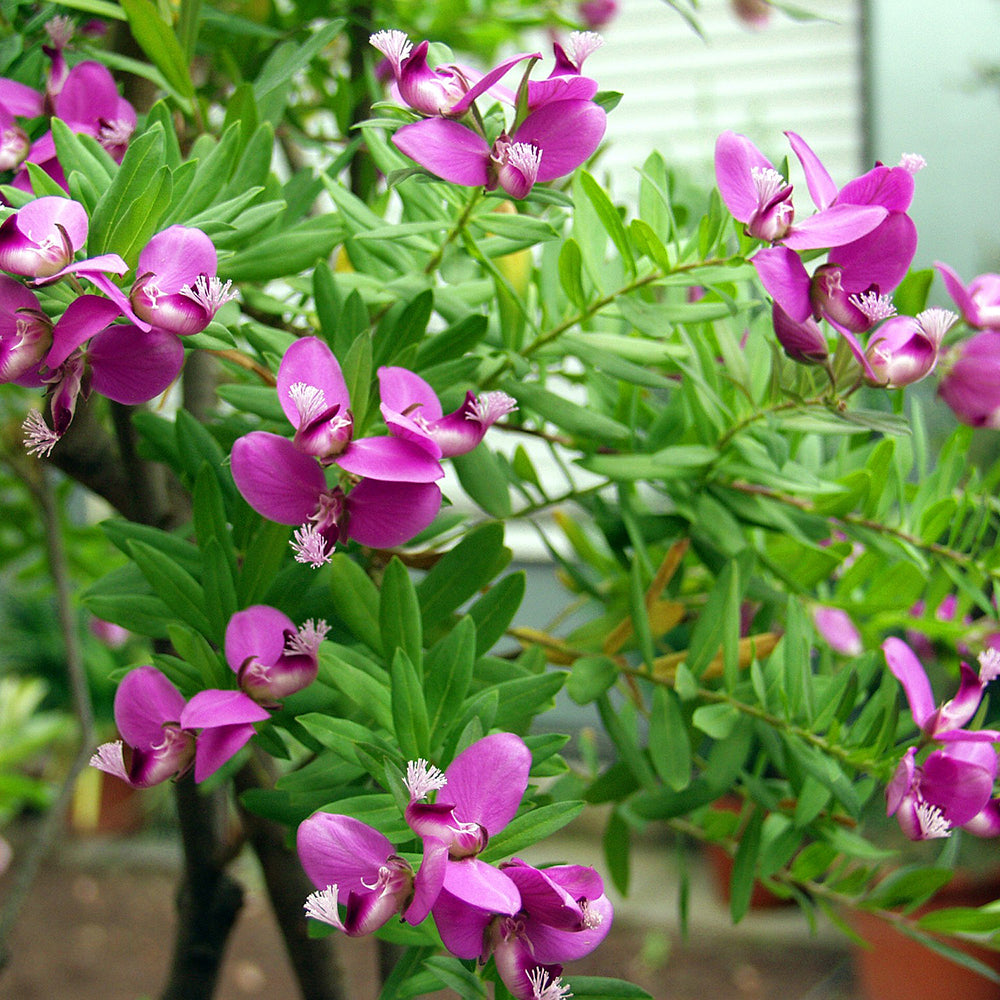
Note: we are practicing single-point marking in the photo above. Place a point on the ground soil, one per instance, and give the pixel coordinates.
(98, 926)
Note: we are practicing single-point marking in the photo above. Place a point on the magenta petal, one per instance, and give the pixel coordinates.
(310, 360)
(211, 708)
(215, 746)
(259, 632)
(409, 430)
(144, 701)
(176, 256)
(462, 926)
(567, 133)
(401, 390)
(959, 710)
(20, 99)
(120, 299)
(390, 459)
(959, 293)
(132, 366)
(907, 669)
(447, 149)
(487, 780)
(550, 944)
(84, 317)
(88, 94)
(787, 282)
(383, 515)
(822, 189)
(487, 81)
(881, 258)
(427, 885)
(544, 899)
(39, 218)
(986, 823)
(560, 88)
(834, 226)
(482, 885)
(341, 851)
(276, 479)
(735, 156)
(901, 783)
(959, 788)
(890, 187)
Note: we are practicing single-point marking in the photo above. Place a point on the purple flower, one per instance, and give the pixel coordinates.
(412, 411)
(979, 302)
(566, 82)
(836, 627)
(163, 733)
(25, 331)
(176, 288)
(14, 142)
(551, 142)
(970, 384)
(904, 349)
(314, 396)
(40, 240)
(347, 858)
(945, 722)
(285, 485)
(804, 341)
(91, 352)
(755, 14)
(761, 198)
(597, 13)
(270, 656)
(953, 787)
(444, 90)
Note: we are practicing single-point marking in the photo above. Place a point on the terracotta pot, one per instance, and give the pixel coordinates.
(103, 804)
(895, 967)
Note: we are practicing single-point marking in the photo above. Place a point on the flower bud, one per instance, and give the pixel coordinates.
(803, 342)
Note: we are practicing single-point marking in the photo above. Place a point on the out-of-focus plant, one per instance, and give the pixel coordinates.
(316, 328)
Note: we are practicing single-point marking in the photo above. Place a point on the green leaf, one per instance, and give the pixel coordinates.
(571, 273)
(409, 710)
(669, 740)
(617, 843)
(193, 647)
(455, 976)
(178, 589)
(910, 886)
(362, 686)
(264, 557)
(495, 610)
(529, 828)
(600, 988)
(482, 477)
(744, 867)
(610, 218)
(157, 40)
(591, 677)
(717, 721)
(283, 65)
(582, 421)
(83, 153)
(285, 253)
(399, 615)
(462, 571)
(356, 600)
(448, 669)
(522, 698)
(220, 590)
(675, 462)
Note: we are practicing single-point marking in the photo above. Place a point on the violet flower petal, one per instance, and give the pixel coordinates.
(735, 158)
(834, 226)
(485, 82)
(487, 780)
(390, 459)
(881, 258)
(84, 317)
(144, 701)
(462, 926)
(217, 745)
(822, 188)
(20, 99)
(429, 880)
(446, 148)
(176, 256)
(276, 479)
(400, 390)
(341, 851)
(907, 669)
(309, 360)
(783, 274)
(384, 514)
(131, 366)
(567, 133)
(214, 707)
(890, 187)
(259, 632)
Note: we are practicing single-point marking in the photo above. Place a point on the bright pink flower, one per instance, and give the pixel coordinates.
(566, 81)
(412, 411)
(979, 302)
(41, 239)
(597, 13)
(761, 198)
(970, 384)
(163, 734)
(347, 859)
(904, 349)
(272, 658)
(285, 485)
(836, 627)
(25, 331)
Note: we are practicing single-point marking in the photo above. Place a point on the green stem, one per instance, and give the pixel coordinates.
(456, 230)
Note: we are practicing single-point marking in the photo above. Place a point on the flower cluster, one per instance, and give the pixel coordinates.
(952, 786)
(556, 127)
(84, 97)
(88, 348)
(163, 733)
(391, 492)
(529, 920)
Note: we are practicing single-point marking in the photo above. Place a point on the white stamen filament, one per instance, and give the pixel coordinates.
(591, 918)
(490, 407)
(393, 44)
(524, 157)
(768, 183)
(115, 133)
(60, 30)
(989, 665)
(912, 163)
(110, 758)
(872, 306)
(936, 323)
(423, 778)
(322, 905)
(39, 438)
(210, 293)
(309, 546)
(309, 400)
(310, 634)
(933, 825)
(581, 45)
(543, 989)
